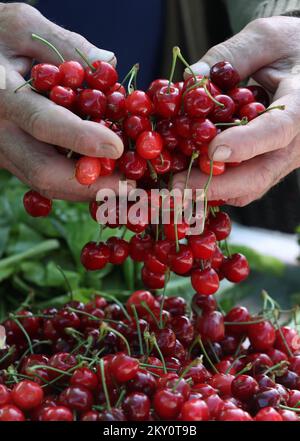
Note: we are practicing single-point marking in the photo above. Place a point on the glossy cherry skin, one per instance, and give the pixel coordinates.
(139, 297)
(260, 95)
(136, 406)
(223, 113)
(183, 329)
(162, 163)
(287, 336)
(77, 398)
(170, 230)
(132, 165)
(166, 340)
(167, 101)
(237, 314)
(71, 74)
(203, 130)
(57, 413)
(268, 414)
(152, 280)
(220, 224)
(113, 415)
(261, 335)
(124, 368)
(149, 144)
(95, 256)
(9, 412)
(251, 111)
(87, 170)
(63, 96)
(288, 415)
(154, 264)
(134, 125)
(66, 319)
(62, 361)
(235, 268)
(84, 377)
(139, 103)
(27, 395)
(205, 281)
(182, 125)
(37, 205)
(115, 106)
(108, 166)
(5, 395)
(102, 77)
(156, 85)
(205, 303)
(224, 75)
(175, 305)
(45, 76)
(218, 168)
(241, 96)
(178, 162)
(234, 415)
(243, 387)
(194, 410)
(92, 102)
(119, 250)
(142, 382)
(181, 261)
(139, 246)
(167, 404)
(204, 245)
(211, 326)
(267, 397)
(222, 383)
(197, 104)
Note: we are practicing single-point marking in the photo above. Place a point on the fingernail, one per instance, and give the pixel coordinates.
(109, 151)
(222, 153)
(100, 54)
(200, 68)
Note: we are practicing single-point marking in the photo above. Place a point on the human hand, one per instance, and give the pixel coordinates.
(268, 146)
(31, 125)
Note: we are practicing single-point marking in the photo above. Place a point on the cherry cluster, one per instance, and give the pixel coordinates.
(154, 358)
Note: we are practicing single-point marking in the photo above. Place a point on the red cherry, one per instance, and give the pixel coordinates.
(8, 412)
(184, 330)
(181, 261)
(243, 387)
(223, 114)
(218, 168)
(88, 170)
(142, 382)
(134, 125)
(224, 75)
(138, 297)
(124, 368)
(95, 256)
(152, 280)
(63, 96)
(77, 398)
(234, 415)
(211, 326)
(287, 336)
(237, 314)
(171, 228)
(157, 85)
(119, 250)
(268, 414)
(261, 335)
(251, 111)
(84, 377)
(45, 77)
(178, 162)
(62, 361)
(167, 404)
(139, 103)
(92, 102)
(162, 163)
(58, 413)
(223, 383)
(72, 74)
(241, 96)
(260, 95)
(115, 105)
(152, 263)
(182, 124)
(37, 205)
(149, 144)
(132, 165)
(220, 224)
(5, 395)
(27, 394)
(166, 101)
(139, 246)
(108, 166)
(203, 246)
(205, 303)
(235, 268)
(288, 415)
(205, 281)
(136, 407)
(117, 87)
(102, 77)
(197, 104)
(195, 410)
(203, 130)
(168, 133)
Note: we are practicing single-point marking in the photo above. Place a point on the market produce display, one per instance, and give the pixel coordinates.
(156, 357)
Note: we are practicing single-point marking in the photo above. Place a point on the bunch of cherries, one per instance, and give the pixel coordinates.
(165, 130)
(154, 358)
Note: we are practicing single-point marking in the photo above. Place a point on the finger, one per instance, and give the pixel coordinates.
(19, 21)
(54, 124)
(253, 177)
(268, 132)
(40, 167)
(239, 50)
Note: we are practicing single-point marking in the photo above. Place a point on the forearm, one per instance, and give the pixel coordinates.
(242, 12)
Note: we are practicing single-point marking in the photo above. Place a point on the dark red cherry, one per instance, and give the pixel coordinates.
(224, 75)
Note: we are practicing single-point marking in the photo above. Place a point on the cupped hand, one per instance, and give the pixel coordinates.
(268, 147)
(31, 125)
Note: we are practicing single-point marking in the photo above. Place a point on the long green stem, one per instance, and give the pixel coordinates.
(167, 278)
(104, 385)
(207, 356)
(50, 45)
(85, 59)
(138, 328)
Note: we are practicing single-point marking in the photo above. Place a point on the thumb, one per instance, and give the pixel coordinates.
(33, 22)
(240, 50)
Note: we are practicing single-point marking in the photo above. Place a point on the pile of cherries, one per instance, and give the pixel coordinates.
(154, 358)
(165, 130)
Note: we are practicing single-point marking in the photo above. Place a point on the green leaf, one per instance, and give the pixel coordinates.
(22, 239)
(4, 235)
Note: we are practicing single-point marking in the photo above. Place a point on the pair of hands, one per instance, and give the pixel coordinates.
(30, 125)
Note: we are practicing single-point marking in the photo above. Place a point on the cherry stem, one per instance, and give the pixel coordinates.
(114, 299)
(176, 232)
(186, 370)
(295, 409)
(66, 281)
(183, 60)
(104, 385)
(85, 59)
(226, 245)
(152, 171)
(121, 398)
(245, 369)
(234, 363)
(144, 305)
(132, 78)
(153, 339)
(206, 187)
(156, 367)
(175, 54)
(138, 329)
(243, 122)
(193, 157)
(121, 336)
(167, 278)
(9, 352)
(211, 97)
(282, 363)
(206, 355)
(280, 107)
(50, 45)
(23, 85)
(213, 351)
(17, 321)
